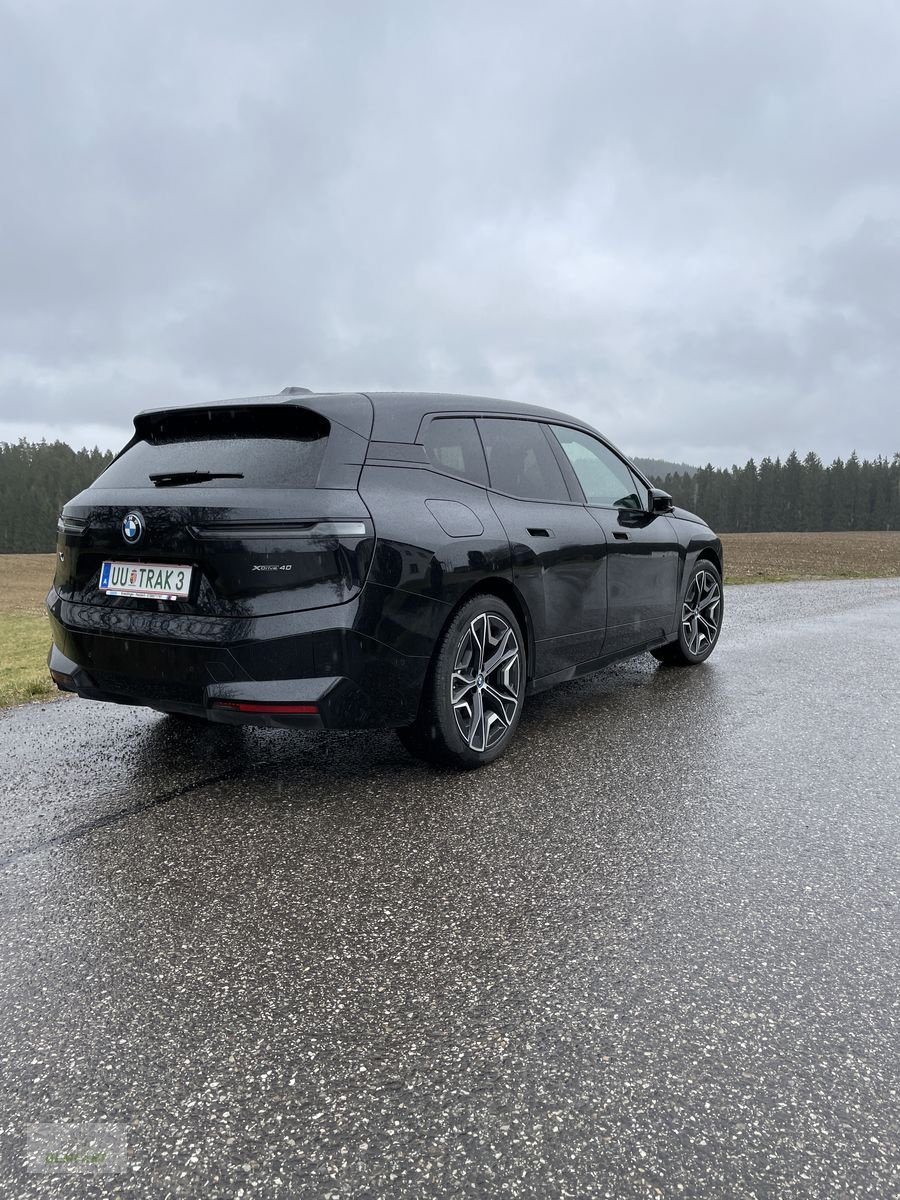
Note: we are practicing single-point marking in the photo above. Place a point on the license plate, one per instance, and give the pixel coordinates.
(154, 581)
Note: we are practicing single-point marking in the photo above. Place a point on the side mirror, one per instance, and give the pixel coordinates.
(660, 501)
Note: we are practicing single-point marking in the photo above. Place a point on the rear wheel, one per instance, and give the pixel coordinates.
(473, 695)
(701, 619)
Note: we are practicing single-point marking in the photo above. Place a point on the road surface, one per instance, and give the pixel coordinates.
(653, 951)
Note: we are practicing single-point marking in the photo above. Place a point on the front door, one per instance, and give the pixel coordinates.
(642, 575)
(558, 551)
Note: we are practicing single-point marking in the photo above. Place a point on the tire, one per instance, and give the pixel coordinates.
(700, 624)
(468, 715)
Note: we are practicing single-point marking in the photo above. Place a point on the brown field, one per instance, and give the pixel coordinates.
(24, 582)
(749, 558)
(778, 557)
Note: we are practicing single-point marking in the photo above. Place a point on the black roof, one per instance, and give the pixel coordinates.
(397, 414)
(392, 416)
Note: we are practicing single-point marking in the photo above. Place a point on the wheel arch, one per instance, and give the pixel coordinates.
(709, 553)
(506, 591)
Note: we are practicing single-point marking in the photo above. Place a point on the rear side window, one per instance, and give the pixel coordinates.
(520, 460)
(453, 445)
(265, 446)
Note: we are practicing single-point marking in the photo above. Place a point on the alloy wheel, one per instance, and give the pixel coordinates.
(701, 612)
(486, 682)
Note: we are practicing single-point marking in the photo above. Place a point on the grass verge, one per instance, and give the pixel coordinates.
(24, 628)
(24, 642)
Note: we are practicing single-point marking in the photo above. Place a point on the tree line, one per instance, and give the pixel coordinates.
(37, 478)
(797, 494)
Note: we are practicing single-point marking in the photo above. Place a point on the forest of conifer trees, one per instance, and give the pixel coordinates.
(36, 479)
(797, 494)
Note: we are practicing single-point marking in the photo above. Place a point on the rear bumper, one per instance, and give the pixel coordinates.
(339, 703)
(353, 681)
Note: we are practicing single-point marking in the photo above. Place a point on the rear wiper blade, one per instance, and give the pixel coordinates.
(174, 478)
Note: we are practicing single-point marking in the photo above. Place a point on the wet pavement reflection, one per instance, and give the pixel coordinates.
(653, 947)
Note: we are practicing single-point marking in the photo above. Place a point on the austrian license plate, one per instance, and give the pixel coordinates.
(154, 581)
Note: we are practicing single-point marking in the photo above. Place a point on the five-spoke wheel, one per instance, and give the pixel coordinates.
(472, 698)
(701, 618)
(700, 611)
(485, 686)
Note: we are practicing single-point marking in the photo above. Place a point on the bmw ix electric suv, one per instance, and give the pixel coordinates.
(422, 562)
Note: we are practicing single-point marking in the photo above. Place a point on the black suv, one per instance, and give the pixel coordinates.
(383, 559)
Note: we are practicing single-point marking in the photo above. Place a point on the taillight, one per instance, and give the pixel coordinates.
(261, 706)
(242, 530)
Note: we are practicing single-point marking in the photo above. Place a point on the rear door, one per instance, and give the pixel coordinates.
(257, 501)
(558, 551)
(642, 577)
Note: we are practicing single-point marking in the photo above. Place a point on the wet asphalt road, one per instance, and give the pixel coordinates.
(654, 951)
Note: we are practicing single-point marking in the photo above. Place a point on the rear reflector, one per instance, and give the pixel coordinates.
(254, 706)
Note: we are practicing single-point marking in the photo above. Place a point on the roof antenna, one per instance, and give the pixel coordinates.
(296, 391)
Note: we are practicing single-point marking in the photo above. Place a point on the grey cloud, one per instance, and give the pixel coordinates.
(678, 220)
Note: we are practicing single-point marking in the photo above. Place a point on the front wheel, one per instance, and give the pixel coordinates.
(473, 696)
(701, 619)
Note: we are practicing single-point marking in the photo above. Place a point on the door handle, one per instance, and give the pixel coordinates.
(540, 532)
(620, 536)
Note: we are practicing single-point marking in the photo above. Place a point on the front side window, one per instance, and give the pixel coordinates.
(453, 445)
(604, 478)
(521, 460)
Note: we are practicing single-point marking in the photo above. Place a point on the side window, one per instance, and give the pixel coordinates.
(603, 476)
(453, 445)
(521, 460)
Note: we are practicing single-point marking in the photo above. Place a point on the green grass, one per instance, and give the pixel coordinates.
(24, 642)
(763, 577)
(741, 581)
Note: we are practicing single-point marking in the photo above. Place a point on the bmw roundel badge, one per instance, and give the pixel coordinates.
(132, 527)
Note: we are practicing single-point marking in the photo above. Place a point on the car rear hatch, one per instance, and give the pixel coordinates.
(234, 510)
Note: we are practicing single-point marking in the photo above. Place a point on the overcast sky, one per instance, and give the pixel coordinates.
(679, 220)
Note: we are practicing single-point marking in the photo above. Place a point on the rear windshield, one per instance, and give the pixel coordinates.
(260, 446)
